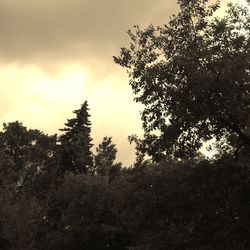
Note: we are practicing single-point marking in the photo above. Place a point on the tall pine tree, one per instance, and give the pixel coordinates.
(75, 142)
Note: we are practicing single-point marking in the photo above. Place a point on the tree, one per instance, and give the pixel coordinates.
(105, 157)
(23, 224)
(192, 75)
(26, 146)
(75, 142)
(24, 153)
(8, 172)
(82, 215)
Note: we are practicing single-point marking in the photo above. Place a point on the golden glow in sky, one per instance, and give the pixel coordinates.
(44, 100)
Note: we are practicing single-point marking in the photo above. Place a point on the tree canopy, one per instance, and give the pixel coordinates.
(105, 157)
(192, 75)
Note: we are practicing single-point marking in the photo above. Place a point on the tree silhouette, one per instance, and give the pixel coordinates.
(193, 78)
(105, 157)
(24, 152)
(75, 142)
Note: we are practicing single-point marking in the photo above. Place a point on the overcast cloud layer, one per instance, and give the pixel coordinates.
(45, 30)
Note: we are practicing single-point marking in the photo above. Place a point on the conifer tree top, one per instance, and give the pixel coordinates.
(77, 125)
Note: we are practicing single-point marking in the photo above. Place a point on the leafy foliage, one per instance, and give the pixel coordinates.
(192, 75)
(192, 205)
(104, 159)
(26, 146)
(24, 154)
(81, 215)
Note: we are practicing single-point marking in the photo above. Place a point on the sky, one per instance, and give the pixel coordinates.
(55, 54)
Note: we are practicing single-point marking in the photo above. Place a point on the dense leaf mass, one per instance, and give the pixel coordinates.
(172, 206)
(193, 77)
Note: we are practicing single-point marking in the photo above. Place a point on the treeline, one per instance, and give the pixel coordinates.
(192, 76)
(53, 198)
(34, 170)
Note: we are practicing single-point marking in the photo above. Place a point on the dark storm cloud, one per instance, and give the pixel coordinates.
(46, 30)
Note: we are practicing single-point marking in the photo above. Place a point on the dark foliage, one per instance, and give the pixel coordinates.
(192, 76)
(56, 195)
(74, 152)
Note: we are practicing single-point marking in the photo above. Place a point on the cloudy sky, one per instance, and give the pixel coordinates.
(54, 54)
